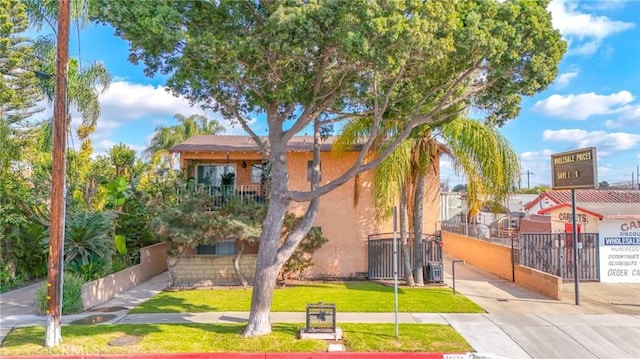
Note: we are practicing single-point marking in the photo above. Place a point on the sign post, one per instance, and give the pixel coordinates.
(572, 170)
(395, 269)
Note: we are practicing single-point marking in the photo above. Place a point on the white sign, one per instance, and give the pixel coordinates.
(620, 251)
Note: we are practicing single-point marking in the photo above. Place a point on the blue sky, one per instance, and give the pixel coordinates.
(593, 102)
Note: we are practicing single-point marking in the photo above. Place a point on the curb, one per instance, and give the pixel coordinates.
(320, 355)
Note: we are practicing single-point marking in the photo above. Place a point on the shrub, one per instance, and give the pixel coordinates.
(71, 295)
(86, 238)
(96, 267)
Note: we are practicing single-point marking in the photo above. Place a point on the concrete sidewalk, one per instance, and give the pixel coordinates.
(523, 324)
(518, 323)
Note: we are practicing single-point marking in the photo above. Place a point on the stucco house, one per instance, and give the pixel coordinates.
(345, 220)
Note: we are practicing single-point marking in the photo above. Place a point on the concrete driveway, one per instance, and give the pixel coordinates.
(525, 324)
(19, 301)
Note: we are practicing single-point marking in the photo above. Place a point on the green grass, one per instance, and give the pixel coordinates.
(162, 338)
(348, 297)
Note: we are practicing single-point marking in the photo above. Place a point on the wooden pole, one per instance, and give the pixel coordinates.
(53, 334)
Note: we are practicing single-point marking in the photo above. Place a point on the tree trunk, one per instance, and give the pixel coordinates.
(172, 262)
(418, 204)
(236, 265)
(406, 258)
(267, 267)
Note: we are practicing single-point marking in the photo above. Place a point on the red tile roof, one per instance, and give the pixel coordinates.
(602, 210)
(218, 143)
(589, 196)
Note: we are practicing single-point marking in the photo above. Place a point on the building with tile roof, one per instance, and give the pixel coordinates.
(553, 198)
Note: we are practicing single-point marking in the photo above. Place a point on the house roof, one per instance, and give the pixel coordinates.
(221, 143)
(589, 196)
(602, 210)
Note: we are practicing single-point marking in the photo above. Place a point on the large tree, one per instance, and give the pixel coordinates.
(312, 63)
(18, 82)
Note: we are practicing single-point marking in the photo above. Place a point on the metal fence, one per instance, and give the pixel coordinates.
(553, 253)
(380, 254)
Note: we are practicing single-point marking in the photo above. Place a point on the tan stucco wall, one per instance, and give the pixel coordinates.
(496, 259)
(345, 225)
(539, 282)
(153, 261)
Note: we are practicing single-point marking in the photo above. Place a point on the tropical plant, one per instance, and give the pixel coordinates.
(478, 150)
(86, 238)
(166, 137)
(95, 268)
(117, 194)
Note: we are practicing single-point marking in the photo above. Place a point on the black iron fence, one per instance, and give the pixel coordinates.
(553, 253)
(380, 254)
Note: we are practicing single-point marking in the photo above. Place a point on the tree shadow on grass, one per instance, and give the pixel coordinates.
(172, 304)
(372, 287)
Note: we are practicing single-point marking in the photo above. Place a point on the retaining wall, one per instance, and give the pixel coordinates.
(213, 269)
(496, 259)
(153, 261)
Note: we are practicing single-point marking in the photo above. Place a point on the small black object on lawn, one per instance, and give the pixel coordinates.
(321, 322)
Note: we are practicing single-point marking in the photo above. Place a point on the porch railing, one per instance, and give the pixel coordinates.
(245, 193)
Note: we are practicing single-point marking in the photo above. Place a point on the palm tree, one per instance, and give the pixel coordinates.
(84, 85)
(166, 137)
(478, 150)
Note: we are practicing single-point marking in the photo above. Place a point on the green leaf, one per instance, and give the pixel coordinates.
(121, 243)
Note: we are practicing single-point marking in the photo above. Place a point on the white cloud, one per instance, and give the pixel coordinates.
(584, 32)
(582, 106)
(629, 118)
(606, 142)
(147, 107)
(126, 101)
(564, 78)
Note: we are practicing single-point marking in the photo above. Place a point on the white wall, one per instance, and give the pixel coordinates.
(620, 251)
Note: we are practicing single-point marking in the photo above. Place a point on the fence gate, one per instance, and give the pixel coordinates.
(380, 257)
(553, 253)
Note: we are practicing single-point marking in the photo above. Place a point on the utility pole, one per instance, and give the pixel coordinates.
(53, 334)
(528, 174)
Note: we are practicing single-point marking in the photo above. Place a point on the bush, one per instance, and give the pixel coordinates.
(71, 295)
(96, 267)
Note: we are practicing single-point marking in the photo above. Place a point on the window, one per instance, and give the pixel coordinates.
(310, 170)
(212, 174)
(256, 174)
(227, 246)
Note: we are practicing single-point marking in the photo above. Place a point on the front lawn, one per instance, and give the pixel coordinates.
(210, 338)
(348, 297)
